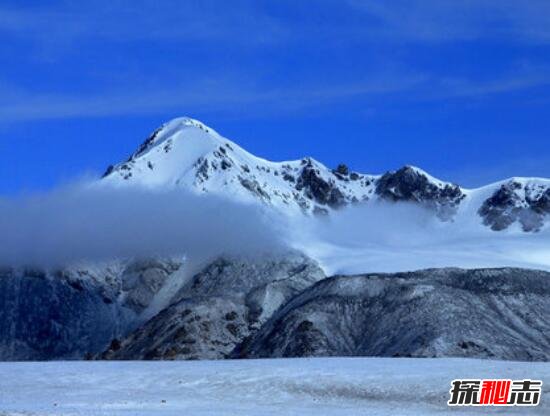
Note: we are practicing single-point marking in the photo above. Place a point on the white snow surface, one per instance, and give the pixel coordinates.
(318, 386)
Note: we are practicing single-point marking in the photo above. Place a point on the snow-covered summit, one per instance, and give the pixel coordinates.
(187, 153)
(167, 154)
(168, 130)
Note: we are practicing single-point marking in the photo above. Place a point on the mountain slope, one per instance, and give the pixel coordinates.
(486, 313)
(188, 154)
(68, 313)
(226, 302)
(280, 308)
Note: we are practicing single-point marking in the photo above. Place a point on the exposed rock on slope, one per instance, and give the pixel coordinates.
(76, 311)
(517, 201)
(49, 316)
(411, 185)
(487, 313)
(222, 305)
(316, 188)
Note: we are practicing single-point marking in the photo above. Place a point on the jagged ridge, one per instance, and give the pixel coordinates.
(187, 153)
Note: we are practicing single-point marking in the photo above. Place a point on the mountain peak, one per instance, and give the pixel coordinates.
(168, 153)
(173, 129)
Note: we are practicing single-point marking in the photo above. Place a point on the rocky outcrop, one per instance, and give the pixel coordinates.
(409, 184)
(487, 313)
(142, 280)
(318, 189)
(515, 202)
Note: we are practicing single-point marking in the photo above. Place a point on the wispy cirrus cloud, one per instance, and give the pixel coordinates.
(249, 98)
(226, 96)
(502, 85)
(139, 20)
(257, 33)
(255, 22)
(449, 20)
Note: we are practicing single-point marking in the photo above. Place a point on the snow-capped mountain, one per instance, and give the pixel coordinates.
(188, 154)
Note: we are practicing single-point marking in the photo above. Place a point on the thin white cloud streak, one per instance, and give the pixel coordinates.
(121, 21)
(249, 100)
(250, 22)
(502, 85)
(219, 96)
(429, 21)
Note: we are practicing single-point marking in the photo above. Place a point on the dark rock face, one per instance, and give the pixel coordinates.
(486, 313)
(223, 305)
(202, 166)
(324, 192)
(515, 202)
(46, 317)
(108, 171)
(146, 144)
(409, 185)
(342, 172)
(73, 313)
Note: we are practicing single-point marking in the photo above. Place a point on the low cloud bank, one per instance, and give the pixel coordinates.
(91, 223)
(97, 223)
(388, 237)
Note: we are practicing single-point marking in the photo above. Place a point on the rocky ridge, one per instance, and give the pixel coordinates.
(186, 153)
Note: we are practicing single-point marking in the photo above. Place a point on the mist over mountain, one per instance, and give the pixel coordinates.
(86, 222)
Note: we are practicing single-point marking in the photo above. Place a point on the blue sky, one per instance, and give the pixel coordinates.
(461, 89)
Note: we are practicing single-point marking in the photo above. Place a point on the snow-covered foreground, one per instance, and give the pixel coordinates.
(326, 386)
